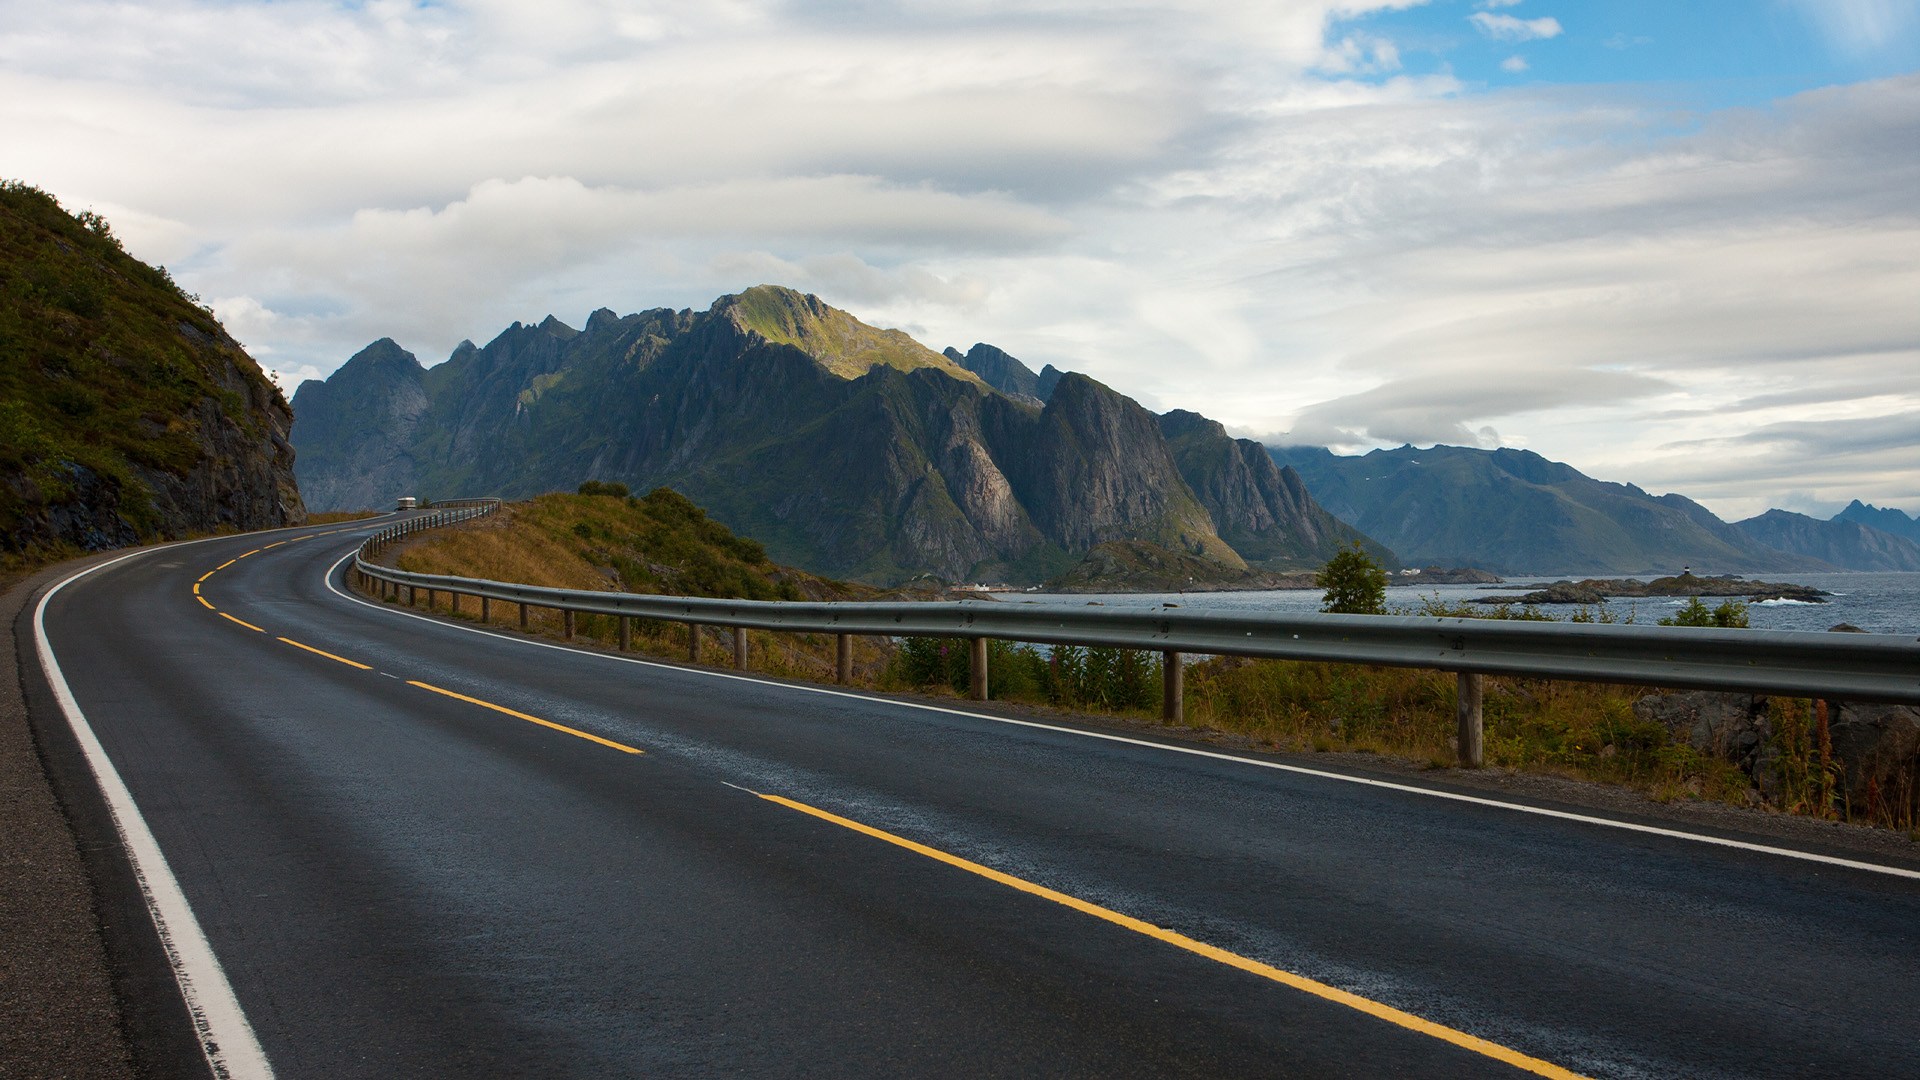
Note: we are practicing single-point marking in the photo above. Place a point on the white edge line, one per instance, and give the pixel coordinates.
(227, 1039)
(1541, 811)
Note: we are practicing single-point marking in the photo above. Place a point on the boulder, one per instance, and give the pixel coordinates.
(1878, 746)
(1730, 726)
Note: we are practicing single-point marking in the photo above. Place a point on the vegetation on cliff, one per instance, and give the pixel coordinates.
(126, 412)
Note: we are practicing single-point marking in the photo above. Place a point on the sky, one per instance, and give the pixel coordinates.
(1676, 244)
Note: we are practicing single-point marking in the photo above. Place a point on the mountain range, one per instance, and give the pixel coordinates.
(861, 453)
(846, 449)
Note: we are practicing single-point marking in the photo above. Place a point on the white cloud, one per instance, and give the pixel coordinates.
(1861, 25)
(1513, 28)
(1514, 64)
(1224, 207)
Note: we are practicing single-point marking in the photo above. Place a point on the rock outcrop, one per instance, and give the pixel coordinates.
(126, 412)
(1734, 727)
(1878, 747)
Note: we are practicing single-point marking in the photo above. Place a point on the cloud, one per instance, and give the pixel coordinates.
(1861, 25)
(1514, 64)
(1252, 210)
(1428, 409)
(1512, 28)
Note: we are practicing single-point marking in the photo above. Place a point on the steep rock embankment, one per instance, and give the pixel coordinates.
(126, 412)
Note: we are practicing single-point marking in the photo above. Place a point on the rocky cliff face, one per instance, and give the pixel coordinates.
(126, 412)
(1262, 509)
(845, 449)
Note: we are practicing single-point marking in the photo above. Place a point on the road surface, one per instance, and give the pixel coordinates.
(420, 850)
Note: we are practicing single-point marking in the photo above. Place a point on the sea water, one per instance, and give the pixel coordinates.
(1876, 603)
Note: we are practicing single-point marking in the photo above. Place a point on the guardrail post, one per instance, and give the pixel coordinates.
(626, 634)
(431, 598)
(413, 596)
(566, 618)
(486, 609)
(1173, 687)
(693, 643)
(977, 682)
(843, 666)
(1467, 709)
(523, 615)
(740, 648)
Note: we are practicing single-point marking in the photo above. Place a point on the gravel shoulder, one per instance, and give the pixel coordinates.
(59, 1015)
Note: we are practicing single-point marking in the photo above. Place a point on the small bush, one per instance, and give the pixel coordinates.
(600, 487)
(1731, 615)
(1355, 583)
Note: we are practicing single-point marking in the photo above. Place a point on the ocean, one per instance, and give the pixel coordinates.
(1876, 603)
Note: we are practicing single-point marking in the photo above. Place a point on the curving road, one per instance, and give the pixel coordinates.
(417, 849)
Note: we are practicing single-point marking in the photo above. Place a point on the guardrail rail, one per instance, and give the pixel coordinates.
(1850, 667)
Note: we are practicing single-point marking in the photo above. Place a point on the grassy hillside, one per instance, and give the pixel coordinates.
(660, 544)
(841, 343)
(121, 398)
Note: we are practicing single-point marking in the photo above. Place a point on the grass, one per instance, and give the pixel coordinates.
(335, 517)
(663, 544)
(660, 544)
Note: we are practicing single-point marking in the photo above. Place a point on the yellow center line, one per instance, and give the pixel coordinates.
(242, 622)
(328, 655)
(224, 565)
(275, 544)
(203, 600)
(255, 551)
(208, 574)
(590, 737)
(1298, 982)
(196, 588)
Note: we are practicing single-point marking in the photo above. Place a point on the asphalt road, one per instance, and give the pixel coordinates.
(399, 881)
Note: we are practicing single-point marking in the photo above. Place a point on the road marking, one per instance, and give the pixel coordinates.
(277, 543)
(226, 1038)
(589, 736)
(1190, 751)
(196, 587)
(1286, 978)
(255, 551)
(242, 622)
(328, 655)
(223, 565)
(203, 600)
(208, 574)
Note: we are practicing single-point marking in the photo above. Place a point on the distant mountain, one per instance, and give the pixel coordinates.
(1847, 544)
(1887, 520)
(847, 450)
(1258, 506)
(1002, 372)
(1515, 512)
(126, 412)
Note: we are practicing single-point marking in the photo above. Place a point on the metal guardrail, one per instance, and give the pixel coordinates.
(1853, 667)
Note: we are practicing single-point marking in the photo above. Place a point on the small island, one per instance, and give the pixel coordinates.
(1600, 590)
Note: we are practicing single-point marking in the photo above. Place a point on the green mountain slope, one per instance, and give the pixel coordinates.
(1515, 512)
(126, 412)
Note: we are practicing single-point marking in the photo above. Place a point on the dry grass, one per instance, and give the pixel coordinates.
(335, 517)
(589, 543)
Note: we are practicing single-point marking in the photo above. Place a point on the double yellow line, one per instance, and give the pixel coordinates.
(577, 733)
(1388, 1013)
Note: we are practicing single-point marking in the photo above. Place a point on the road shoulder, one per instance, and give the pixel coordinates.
(59, 1014)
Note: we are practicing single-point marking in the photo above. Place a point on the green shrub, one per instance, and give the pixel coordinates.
(1730, 615)
(1355, 583)
(598, 487)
